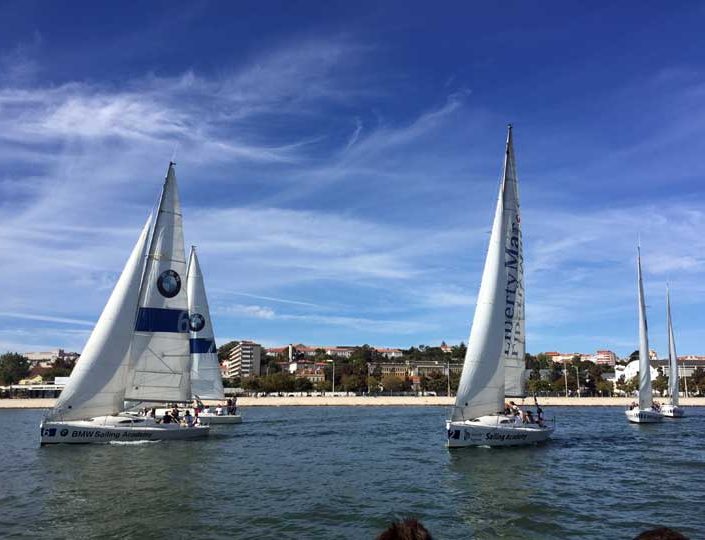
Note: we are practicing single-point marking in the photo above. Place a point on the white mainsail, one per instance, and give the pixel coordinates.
(645, 393)
(514, 348)
(160, 346)
(97, 384)
(482, 384)
(672, 357)
(206, 381)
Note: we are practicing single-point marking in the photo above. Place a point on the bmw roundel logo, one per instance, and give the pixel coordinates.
(169, 283)
(196, 322)
(64, 432)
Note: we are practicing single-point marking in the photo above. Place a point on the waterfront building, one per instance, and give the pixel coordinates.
(47, 358)
(562, 358)
(299, 350)
(244, 360)
(605, 357)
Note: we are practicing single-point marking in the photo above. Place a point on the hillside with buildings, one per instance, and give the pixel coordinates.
(299, 367)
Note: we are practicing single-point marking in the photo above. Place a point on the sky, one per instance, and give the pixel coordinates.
(338, 164)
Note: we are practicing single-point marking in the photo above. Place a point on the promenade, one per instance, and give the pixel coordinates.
(378, 401)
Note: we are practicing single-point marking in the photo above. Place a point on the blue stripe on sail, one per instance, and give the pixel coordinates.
(162, 320)
(201, 346)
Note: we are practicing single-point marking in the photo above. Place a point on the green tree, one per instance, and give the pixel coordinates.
(224, 350)
(536, 386)
(13, 368)
(253, 384)
(605, 388)
(302, 384)
(61, 367)
(353, 382)
(373, 384)
(323, 386)
(660, 383)
(392, 383)
(232, 382)
(458, 351)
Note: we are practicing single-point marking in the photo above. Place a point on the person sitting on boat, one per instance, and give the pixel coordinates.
(219, 410)
(175, 413)
(507, 409)
(518, 420)
(166, 419)
(656, 406)
(153, 412)
(188, 419)
(530, 417)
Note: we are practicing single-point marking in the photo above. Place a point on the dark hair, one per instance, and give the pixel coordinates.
(405, 529)
(661, 533)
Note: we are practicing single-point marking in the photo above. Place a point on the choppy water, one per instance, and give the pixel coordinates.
(339, 472)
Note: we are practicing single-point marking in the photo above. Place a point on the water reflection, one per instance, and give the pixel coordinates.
(113, 491)
(500, 491)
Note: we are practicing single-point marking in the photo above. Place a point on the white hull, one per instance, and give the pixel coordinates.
(214, 419)
(107, 429)
(495, 430)
(643, 416)
(672, 411)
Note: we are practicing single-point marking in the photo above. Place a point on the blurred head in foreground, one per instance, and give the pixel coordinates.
(406, 529)
(661, 533)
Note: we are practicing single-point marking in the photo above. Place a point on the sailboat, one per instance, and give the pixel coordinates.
(494, 361)
(671, 409)
(139, 348)
(206, 380)
(644, 412)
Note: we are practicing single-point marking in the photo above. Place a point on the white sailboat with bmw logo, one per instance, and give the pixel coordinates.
(139, 349)
(494, 361)
(206, 380)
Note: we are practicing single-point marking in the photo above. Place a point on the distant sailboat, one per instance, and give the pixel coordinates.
(139, 348)
(644, 412)
(206, 380)
(494, 361)
(671, 409)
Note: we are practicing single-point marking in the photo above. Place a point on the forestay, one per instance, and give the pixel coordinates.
(206, 381)
(96, 386)
(160, 346)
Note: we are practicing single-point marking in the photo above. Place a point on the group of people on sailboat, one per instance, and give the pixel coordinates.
(523, 417)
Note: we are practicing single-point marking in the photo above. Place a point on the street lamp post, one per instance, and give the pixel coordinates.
(448, 367)
(565, 374)
(333, 390)
(577, 379)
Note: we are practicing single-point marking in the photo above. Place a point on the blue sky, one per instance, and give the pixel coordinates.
(338, 163)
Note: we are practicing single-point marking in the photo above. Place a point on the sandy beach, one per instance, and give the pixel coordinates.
(379, 401)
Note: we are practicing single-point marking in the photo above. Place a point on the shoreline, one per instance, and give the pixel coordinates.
(379, 401)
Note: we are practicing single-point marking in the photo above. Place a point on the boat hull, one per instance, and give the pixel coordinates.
(643, 416)
(223, 419)
(488, 431)
(672, 411)
(101, 431)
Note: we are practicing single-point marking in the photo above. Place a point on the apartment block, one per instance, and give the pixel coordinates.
(244, 360)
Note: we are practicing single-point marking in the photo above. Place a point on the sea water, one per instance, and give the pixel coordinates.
(346, 472)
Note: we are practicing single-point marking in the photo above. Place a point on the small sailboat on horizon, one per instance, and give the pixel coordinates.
(671, 409)
(138, 349)
(494, 360)
(206, 379)
(643, 412)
